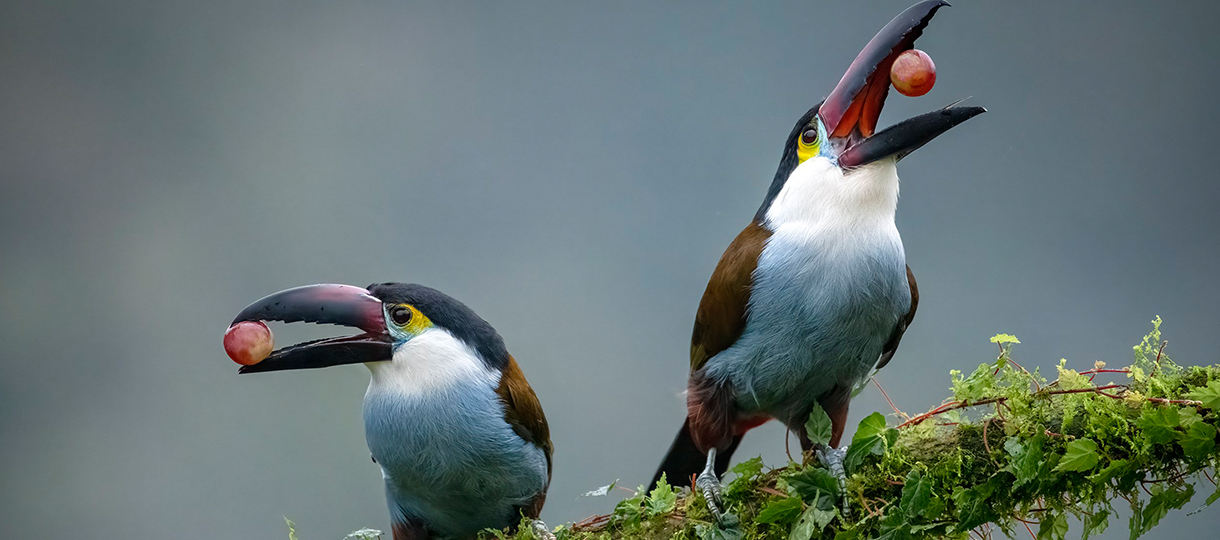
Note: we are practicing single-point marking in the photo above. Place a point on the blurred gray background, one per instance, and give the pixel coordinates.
(570, 170)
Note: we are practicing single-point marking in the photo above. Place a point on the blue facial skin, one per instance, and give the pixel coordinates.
(814, 322)
(450, 460)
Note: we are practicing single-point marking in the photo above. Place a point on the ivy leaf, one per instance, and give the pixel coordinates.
(1026, 463)
(1157, 424)
(815, 486)
(1004, 338)
(780, 511)
(871, 439)
(1081, 456)
(818, 427)
(972, 507)
(1096, 524)
(1209, 395)
(1198, 441)
(662, 499)
(1117, 469)
(812, 520)
(748, 469)
(1055, 528)
(729, 528)
(1162, 501)
(916, 493)
(1212, 498)
(627, 511)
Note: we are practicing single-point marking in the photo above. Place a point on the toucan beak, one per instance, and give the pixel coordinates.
(343, 305)
(851, 111)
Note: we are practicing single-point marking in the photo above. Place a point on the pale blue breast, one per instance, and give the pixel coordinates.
(450, 459)
(821, 309)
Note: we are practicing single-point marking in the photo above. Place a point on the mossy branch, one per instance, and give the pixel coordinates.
(1009, 451)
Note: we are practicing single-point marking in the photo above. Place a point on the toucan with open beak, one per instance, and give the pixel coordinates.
(458, 432)
(814, 294)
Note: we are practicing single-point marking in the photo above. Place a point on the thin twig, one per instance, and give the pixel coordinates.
(965, 404)
(905, 416)
(1031, 531)
(987, 444)
(788, 446)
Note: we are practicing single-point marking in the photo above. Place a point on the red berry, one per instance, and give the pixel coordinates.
(913, 73)
(248, 342)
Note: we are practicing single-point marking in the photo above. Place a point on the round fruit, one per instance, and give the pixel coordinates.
(248, 342)
(913, 73)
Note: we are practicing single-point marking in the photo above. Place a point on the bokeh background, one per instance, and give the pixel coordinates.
(571, 170)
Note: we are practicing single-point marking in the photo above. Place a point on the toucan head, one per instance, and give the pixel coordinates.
(389, 315)
(838, 138)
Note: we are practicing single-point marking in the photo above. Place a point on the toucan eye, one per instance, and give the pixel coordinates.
(400, 315)
(810, 136)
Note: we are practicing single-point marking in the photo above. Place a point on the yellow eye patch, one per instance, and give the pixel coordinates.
(416, 324)
(808, 143)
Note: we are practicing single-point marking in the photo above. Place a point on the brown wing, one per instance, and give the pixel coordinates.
(722, 312)
(891, 346)
(522, 410)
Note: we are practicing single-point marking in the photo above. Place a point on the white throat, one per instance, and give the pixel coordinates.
(818, 193)
(429, 363)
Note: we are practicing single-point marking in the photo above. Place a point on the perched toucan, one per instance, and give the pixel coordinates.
(458, 432)
(815, 293)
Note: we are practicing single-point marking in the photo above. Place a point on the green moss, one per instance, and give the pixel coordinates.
(1035, 451)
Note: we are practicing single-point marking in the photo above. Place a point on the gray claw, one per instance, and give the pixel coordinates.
(833, 460)
(541, 531)
(709, 485)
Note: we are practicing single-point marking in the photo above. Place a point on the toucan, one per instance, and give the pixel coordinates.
(814, 294)
(459, 434)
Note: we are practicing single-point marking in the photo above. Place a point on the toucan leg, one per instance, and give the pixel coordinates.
(709, 485)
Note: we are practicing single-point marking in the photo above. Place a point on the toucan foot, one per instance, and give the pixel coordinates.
(541, 531)
(833, 460)
(709, 486)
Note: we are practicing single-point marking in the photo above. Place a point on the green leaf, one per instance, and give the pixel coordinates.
(814, 486)
(1027, 459)
(1117, 469)
(1209, 395)
(729, 528)
(292, 528)
(1081, 456)
(818, 427)
(1212, 498)
(662, 499)
(872, 437)
(1162, 501)
(916, 493)
(628, 511)
(1006, 338)
(1157, 424)
(1095, 524)
(812, 520)
(780, 511)
(748, 469)
(1053, 528)
(1198, 441)
(972, 507)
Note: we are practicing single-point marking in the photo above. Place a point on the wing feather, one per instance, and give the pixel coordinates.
(722, 312)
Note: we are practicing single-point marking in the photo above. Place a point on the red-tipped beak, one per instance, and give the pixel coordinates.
(851, 111)
(855, 104)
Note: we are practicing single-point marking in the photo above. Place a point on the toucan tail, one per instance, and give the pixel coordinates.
(684, 459)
